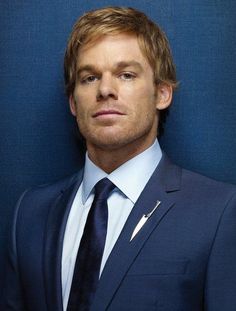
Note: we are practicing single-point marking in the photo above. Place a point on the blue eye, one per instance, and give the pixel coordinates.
(127, 76)
(88, 79)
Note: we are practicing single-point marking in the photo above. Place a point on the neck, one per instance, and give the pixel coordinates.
(110, 158)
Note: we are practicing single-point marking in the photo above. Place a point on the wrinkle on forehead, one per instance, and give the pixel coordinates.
(128, 42)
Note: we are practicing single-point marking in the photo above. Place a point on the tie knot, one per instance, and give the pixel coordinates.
(103, 189)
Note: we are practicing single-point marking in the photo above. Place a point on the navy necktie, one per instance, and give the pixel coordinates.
(89, 256)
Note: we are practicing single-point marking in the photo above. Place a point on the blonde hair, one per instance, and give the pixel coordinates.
(115, 20)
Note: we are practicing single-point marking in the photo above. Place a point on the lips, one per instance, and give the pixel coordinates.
(107, 112)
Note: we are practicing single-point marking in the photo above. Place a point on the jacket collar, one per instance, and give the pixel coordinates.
(163, 185)
(165, 182)
(54, 235)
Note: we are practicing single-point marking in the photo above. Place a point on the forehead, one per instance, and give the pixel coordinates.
(112, 49)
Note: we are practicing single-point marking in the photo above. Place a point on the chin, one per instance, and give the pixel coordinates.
(111, 143)
(114, 139)
(106, 138)
(108, 143)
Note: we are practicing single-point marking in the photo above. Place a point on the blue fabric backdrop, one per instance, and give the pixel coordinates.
(38, 136)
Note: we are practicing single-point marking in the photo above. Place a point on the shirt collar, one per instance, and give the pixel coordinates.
(127, 178)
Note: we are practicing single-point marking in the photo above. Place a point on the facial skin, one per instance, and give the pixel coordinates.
(115, 100)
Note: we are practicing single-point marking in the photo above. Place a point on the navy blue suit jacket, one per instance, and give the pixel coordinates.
(184, 257)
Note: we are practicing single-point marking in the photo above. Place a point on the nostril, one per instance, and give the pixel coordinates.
(103, 95)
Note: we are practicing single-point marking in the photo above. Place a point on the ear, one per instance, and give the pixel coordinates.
(164, 96)
(72, 105)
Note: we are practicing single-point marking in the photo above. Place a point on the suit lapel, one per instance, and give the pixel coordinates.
(163, 183)
(54, 234)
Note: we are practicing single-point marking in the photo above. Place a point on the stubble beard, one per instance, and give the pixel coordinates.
(110, 140)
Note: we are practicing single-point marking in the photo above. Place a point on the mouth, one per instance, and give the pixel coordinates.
(107, 113)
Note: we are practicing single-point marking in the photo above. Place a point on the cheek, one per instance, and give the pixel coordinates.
(144, 102)
(82, 105)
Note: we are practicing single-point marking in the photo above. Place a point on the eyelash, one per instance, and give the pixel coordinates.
(85, 80)
(130, 75)
(126, 76)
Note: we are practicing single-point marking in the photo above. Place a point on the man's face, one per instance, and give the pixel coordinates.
(115, 100)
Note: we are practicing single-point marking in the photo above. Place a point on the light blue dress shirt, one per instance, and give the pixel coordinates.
(130, 179)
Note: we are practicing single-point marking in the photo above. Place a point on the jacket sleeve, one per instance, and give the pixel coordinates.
(12, 290)
(220, 286)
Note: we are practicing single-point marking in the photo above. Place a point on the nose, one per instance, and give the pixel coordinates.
(107, 88)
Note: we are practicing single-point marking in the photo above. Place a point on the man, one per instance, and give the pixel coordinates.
(163, 238)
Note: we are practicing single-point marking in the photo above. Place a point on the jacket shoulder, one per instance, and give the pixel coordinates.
(204, 188)
(204, 181)
(43, 195)
(193, 185)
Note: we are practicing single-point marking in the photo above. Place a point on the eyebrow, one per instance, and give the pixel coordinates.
(118, 66)
(132, 63)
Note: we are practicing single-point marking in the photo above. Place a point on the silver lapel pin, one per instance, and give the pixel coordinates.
(143, 220)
